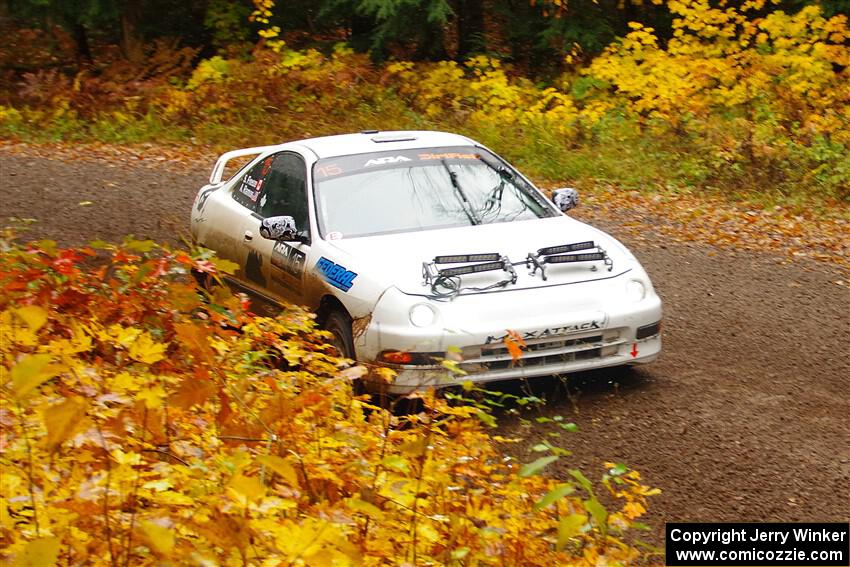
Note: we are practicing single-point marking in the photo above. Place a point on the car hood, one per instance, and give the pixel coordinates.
(397, 259)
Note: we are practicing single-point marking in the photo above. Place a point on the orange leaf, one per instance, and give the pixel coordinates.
(63, 420)
(514, 343)
(195, 339)
(192, 391)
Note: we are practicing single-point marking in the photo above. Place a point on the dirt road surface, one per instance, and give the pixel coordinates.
(746, 417)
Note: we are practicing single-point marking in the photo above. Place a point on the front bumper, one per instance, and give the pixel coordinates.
(566, 328)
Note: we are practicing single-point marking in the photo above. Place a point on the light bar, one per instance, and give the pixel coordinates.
(474, 269)
(464, 258)
(568, 258)
(566, 248)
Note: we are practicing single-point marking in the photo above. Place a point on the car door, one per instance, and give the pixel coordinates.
(234, 224)
(224, 215)
(277, 268)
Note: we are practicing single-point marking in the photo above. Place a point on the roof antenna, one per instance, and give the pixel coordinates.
(369, 131)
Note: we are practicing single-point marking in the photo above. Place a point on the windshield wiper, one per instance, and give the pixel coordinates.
(525, 191)
(467, 208)
(494, 198)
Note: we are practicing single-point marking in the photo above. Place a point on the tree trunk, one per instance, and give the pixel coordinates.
(431, 46)
(70, 36)
(470, 28)
(132, 44)
(362, 29)
(81, 41)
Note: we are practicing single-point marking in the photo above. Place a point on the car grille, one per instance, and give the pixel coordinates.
(542, 352)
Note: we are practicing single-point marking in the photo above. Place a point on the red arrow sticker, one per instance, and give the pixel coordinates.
(634, 350)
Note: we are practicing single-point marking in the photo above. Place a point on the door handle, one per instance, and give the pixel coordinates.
(249, 235)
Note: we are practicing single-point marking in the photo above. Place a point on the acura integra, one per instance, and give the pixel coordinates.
(417, 247)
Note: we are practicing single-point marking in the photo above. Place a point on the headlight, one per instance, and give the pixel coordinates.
(423, 315)
(635, 290)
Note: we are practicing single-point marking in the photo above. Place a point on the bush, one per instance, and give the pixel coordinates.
(743, 99)
(143, 423)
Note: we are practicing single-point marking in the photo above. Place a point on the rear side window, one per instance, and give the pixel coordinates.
(247, 191)
(285, 191)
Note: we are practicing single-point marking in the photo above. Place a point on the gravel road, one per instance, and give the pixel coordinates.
(746, 417)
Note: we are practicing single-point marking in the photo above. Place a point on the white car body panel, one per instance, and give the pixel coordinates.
(580, 317)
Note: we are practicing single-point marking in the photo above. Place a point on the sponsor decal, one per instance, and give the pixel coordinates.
(203, 197)
(427, 157)
(344, 165)
(267, 165)
(334, 235)
(328, 170)
(288, 258)
(386, 160)
(551, 331)
(251, 187)
(336, 275)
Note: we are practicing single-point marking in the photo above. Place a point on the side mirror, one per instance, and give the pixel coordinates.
(565, 198)
(279, 228)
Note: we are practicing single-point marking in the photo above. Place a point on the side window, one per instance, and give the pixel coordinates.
(247, 191)
(285, 191)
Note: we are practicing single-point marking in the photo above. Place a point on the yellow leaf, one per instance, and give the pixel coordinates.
(282, 467)
(415, 447)
(246, 489)
(396, 462)
(124, 336)
(158, 538)
(633, 510)
(6, 521)
(63, 420)
(225, 266)
(14, 332)
(124, 381)
(34, 316)
(146, 350)
(31, 371)
(386, 374)
(42, 552)
(152, 397)
(568, 527)
(172, 498)
(157, 485)
(128, 458)
(365, 508)
(79, 342)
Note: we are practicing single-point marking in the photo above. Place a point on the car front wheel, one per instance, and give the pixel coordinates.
(339, 326)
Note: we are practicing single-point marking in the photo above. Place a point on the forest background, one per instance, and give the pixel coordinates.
(745, 99)
(139, 426)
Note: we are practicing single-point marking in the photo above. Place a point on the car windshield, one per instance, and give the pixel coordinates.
(423, 189)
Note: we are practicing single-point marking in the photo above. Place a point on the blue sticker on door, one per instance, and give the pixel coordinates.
(336, 275)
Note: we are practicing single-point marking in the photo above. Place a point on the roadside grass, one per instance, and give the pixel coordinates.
(615, 156)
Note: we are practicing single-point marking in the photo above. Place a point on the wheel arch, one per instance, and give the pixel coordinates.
(327, 304)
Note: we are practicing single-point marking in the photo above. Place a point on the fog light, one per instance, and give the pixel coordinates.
(648, 330)
(422, 315)
(404, 358)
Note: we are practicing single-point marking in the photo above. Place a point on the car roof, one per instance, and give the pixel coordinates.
(377, 141)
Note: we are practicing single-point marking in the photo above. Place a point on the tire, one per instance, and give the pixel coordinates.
(339, 325)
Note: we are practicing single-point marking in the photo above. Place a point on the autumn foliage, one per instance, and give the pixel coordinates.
(143, 421)
(738, 98)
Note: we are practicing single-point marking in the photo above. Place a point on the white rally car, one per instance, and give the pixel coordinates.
(415, 247)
